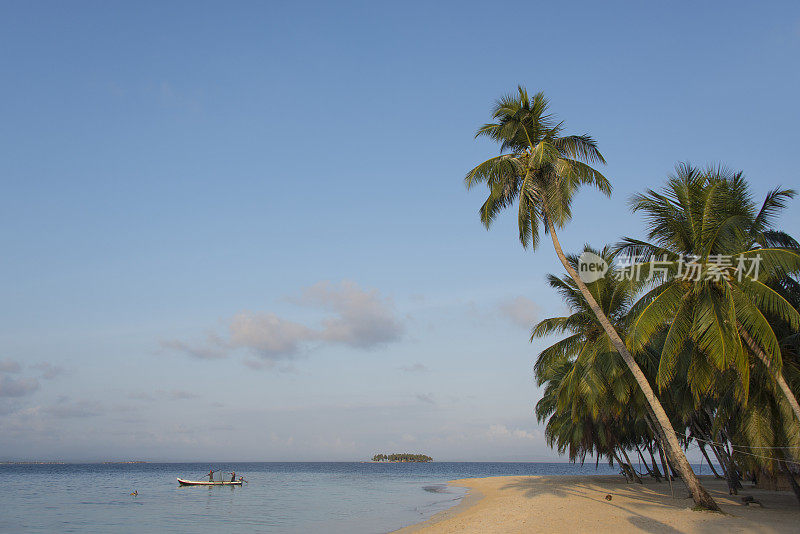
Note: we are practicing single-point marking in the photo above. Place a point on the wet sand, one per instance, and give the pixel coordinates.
(578, 504)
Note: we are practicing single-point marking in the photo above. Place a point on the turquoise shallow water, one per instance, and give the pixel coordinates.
(336, 497)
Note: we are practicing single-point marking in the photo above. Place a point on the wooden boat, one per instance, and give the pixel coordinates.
(207, 483)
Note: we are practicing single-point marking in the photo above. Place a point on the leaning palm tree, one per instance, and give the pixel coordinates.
(541, 169)
(720, 300)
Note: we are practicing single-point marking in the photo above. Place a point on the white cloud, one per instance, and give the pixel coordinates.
(182, 395)
(362, 319)
(9, 366)
(416, 368)
(175, 394)
(17, 387)
(426, 398)
(140, 395)
(521, 311)
(357, 318)
(337, 444)
(503, 432)
(212, 349)
(287, 442)
(48, 370)
(408, 438)
(268, 335)
(69, 409)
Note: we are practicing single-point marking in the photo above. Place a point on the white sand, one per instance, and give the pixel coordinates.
(576, 505)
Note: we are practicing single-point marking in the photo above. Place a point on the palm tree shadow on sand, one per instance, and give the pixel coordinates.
(647, 497)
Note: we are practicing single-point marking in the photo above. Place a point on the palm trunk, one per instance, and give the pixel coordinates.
(653, 462)
(701, 497)
(719, 451)
(710, 463)
(626, 469)
(658, 439)
(733, 471)
(666, 468)
(642, 460)
(787, 392)
(647, 467)
(792, 481)
(664, 463)
(724, 462)
(636, 476)
(704, 437)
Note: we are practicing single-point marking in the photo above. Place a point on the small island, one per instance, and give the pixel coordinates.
(401, 457)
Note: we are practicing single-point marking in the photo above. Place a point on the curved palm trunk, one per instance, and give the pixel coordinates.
(710, 463)
(699, 494)
(704, 437)
(787, 392)
(734, 475)
(726, 463)
(653, 462)
(635, 474)
(626, 468)
(658, 436)
(666, 467)
(646, 467)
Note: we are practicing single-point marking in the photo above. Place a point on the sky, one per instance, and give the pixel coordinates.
(239, 231)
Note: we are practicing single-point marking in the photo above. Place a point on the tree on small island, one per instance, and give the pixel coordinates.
(401, 457)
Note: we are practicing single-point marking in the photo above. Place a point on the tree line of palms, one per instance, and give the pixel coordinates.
(695, 341)
(401, 457)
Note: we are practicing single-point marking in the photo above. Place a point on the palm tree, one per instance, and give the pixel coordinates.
(719, 302)
(541, 170)
(591, 403)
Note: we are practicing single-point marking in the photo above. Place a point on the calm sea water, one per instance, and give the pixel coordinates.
(280, 497)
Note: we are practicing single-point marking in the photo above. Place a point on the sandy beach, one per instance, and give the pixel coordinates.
(578, 504)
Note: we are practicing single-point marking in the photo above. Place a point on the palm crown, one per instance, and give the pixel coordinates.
(538, 166)
(710, 218)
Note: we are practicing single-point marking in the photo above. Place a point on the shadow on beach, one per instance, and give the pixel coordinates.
(647, 507)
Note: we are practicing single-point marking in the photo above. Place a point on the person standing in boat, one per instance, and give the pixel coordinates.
(210, 476)
(233, 476)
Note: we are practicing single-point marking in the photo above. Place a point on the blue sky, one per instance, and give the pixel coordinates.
(240, 231)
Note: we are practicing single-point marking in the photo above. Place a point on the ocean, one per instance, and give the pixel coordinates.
(280, 497)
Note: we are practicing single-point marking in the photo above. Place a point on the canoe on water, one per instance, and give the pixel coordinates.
(207, 483)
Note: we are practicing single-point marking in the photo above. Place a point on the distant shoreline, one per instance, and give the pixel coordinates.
(38, 463)
(398, 462)
(217, 462)
(44, 462)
